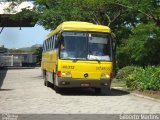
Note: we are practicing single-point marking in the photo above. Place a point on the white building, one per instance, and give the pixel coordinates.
(18, 60)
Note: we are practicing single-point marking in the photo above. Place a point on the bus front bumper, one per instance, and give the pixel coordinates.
(71, 82)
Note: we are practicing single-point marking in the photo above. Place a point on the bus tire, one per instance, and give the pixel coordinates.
(44, 77)
(57, 89)
(44, 74)
(45, 83)
(106, 90)
(98, 90)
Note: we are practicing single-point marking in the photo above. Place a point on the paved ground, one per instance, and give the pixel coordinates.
(22, 91)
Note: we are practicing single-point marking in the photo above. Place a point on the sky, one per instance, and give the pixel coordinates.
(26, 37)
(16, 9)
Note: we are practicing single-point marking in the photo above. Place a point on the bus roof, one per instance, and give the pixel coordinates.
(79, 26)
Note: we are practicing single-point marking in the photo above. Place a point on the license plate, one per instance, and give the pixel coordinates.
(85, 84)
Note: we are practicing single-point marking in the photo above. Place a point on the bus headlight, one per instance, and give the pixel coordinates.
(103, 75)
(66, 74)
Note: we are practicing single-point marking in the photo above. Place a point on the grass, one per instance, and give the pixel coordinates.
(118, 83)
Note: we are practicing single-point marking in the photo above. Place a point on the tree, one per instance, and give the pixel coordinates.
(3, 50)
(104, 12)
(38, 52)
(97, 11)
(142, 47)
(126, 18)
(148, 10)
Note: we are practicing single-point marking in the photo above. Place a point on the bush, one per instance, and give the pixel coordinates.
(132, 80)
(138, 78)
(144, 79)
(125, 72)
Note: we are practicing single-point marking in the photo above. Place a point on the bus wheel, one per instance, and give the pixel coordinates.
(45, 80)
(97, 90)
(48, 84)
(57, 89)
(45, 83)
(43, 74)
(106, 91)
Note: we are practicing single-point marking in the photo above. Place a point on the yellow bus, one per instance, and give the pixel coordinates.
(78, 54)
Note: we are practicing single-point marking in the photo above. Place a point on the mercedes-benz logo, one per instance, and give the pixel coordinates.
(86, 75)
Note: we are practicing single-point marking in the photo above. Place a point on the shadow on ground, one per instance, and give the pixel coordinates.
(3, 73)
(6, 89)
(90, 92)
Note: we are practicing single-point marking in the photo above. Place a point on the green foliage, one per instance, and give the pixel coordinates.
(147, 10)
(133, 22)
(15, 51)
(123, 58)
(146, 79)
(132, 80)
(3, 50)
(104, 12)
(35, 50)
(142, 47)
(136, 23)
(22, 50)
(125, 72)
(54, 12)
(26, 14)
(138, 78)
(38, 52)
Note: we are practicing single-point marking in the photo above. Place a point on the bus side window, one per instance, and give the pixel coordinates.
(44, 46)
(47, 43)
(51, 43)
(57, 41)
(54, 43)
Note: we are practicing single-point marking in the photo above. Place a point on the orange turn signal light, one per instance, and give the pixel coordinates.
(59, 73)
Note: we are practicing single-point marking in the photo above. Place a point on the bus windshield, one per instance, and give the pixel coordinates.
(85, 46)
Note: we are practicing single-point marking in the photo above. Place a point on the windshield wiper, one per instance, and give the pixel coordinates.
(76, 59)
(97, 60)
